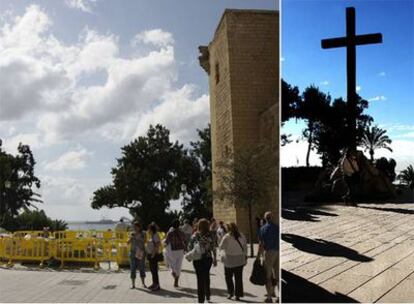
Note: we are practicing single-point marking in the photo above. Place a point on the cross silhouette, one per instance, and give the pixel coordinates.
(350, 41)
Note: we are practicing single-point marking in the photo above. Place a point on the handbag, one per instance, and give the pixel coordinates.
(194, 254)
(258, 276)
(159, 257)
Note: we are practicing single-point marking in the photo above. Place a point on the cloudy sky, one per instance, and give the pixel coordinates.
(81, 78)
(385, 72)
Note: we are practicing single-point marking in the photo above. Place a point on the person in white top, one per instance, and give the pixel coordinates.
(234, 256)
(188, 230)
(221, 231)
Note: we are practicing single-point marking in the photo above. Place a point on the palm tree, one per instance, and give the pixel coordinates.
(406, 176)
(375, 138)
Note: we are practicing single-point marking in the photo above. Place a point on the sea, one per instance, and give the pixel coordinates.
(90, 226)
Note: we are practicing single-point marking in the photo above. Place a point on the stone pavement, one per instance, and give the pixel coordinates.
(348, 254)
(52, 286)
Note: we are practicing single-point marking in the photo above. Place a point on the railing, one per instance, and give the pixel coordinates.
(92, 247)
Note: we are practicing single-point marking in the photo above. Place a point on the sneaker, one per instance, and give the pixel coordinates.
(229, 297)
(268, 300)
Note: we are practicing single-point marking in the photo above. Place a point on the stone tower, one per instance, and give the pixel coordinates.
(242, 62)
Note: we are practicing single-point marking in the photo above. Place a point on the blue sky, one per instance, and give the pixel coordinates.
(81, 78)
(385, 72)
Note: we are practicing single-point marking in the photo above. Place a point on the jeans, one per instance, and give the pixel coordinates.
(237, 272)
(202, 269)
(137, 264)
(153, 264)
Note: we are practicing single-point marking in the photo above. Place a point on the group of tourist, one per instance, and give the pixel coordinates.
(200, 243)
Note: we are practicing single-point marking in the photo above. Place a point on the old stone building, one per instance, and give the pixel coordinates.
(242, 62)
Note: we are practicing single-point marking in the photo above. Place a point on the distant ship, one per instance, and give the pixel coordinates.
(102, 221)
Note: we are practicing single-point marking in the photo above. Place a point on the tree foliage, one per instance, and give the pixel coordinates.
(244, 179)
(17, 180)
(375, 138)
(331, 131)
(406, 176)
(290, 101)
(147, 177)
(312, 106)
(34, 220)
(198, 202)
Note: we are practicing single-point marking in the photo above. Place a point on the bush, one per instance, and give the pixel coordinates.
(33, 220)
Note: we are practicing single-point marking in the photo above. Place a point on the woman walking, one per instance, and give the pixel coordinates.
(153, 256)
(137, 254)
(206, 242)
(176, 240)
(234, 249)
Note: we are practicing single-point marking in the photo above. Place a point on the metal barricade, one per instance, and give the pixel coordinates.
(28, 250)
(67, 247)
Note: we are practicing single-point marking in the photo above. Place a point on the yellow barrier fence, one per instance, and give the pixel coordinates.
(67, 247)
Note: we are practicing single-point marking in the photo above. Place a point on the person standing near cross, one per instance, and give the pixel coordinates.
(350, 41)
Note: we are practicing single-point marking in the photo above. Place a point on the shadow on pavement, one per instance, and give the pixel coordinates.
(324, 248)
(396, 210)
(214, 292)
(170, 293)
(304, 214)
(296, 289)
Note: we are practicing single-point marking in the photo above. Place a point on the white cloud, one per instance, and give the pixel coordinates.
(180, 113)
(83, 5)
(32, 139)
(358, 88)
(282, 59)
(46, 97)
(36, 66)
(69, 198)
(156, 37)
(381, 74)
(402, 153)
(378, 98)
(325, 82)
(294, 154)
(72, 160)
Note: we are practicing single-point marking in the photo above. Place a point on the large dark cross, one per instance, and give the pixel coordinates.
(350, 41)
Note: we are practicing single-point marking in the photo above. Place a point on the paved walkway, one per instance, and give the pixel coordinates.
(51, 286)
(348, 254)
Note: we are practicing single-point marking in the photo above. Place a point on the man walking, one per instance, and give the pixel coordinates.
(269, 247)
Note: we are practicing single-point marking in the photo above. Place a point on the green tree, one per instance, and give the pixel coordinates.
(331, 130)
(406, 176)
(314, 103)
(375, 138)
(244, 179)
(198, 202)
(147, 177)
(290, 101)
(34, 220)
(17, 180)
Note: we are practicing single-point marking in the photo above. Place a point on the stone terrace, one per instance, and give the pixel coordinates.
(19, 285)
(348, 254)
